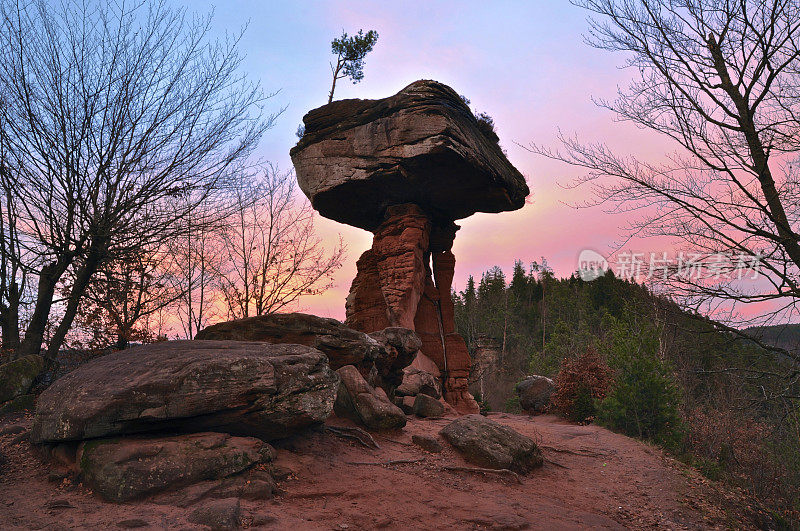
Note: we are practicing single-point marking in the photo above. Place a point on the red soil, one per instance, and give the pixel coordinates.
(592, 478)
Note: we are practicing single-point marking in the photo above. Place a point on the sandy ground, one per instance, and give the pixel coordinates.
(592, 478)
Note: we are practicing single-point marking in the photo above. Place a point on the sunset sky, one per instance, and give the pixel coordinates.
(524, 63)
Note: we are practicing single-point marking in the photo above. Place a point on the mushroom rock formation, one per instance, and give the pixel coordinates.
(405, 168)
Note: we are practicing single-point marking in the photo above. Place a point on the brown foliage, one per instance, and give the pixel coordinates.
(581, 381)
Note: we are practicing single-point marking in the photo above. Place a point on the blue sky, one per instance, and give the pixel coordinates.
(524, 63)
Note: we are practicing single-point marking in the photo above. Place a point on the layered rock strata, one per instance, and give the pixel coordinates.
(405, 168)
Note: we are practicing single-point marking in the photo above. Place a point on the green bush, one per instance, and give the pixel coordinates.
(512, 405)
(644, 398)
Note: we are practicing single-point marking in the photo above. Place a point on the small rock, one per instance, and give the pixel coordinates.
(218, 514)
(57, 476)
(259, 489)
(59, 504)
(405, 403)
(280, 472)
(427, 407)
(427, 443)
(490, 444)
(132, 523)
(264, 519)
(12, 429)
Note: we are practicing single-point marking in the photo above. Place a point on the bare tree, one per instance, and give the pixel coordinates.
(721, 80)
(13, 275)
(271, 255)
(121, 120)
(199, 256)
(123, 298)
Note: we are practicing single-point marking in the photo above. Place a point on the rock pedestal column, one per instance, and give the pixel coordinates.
(405, 280)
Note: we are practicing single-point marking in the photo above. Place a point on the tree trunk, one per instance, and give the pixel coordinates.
(82, 279)
(34, 333)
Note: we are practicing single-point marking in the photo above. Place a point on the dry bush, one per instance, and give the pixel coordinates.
(751, 453)
(581, 382)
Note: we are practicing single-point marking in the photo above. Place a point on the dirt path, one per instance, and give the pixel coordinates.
(592, 478)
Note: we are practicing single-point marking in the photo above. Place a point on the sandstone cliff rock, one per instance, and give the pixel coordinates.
(405, 168)
(242, 388)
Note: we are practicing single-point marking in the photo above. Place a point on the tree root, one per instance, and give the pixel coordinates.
(585, 453)
(357, 434)
(501, 471)
(390, 462)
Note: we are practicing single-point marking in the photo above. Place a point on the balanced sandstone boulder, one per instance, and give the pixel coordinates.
(386, 351)
(534, 393)
(405, 168)
(128, 468)
(423, 146)
(489, 444)
(360, 402)
(243, 388)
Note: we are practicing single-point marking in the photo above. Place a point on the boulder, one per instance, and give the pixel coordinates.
(417, 382)
(218, 514)
(427, 407)
(406, 403)
(489, 444)
(385, 351)
(243, 388)
(423, 145)
(427, 443)
(534, 393)
(359, 401)
(399, 348)
(342, 345)
(16, 376)
(133, 467)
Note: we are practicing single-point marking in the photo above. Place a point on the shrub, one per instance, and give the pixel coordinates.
(581, 382)
(486, 127)
(643, 400)
(512, 405)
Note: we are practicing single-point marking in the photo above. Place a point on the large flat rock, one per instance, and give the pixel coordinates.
(243, 388)
(423, 145)
(384, 353)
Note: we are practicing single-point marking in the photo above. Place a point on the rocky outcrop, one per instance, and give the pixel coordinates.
(243, 388)
(534, 393)
(381, 355)
(360, 402)
(16, 377)
(489, 444)
(405, 168)
(134, 467)
(422, 146)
